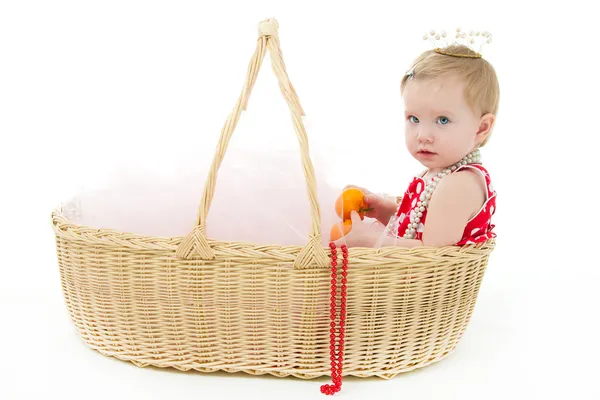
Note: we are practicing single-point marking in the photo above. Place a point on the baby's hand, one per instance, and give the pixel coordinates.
(380, 208)
(361, 235)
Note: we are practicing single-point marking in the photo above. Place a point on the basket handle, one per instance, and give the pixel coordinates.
(196, 244)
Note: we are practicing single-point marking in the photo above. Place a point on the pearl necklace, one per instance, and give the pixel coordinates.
(423, 204)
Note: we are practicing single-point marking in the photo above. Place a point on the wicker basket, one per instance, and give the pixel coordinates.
(195, 303)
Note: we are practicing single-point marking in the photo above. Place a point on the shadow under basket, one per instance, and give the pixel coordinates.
(195, 303)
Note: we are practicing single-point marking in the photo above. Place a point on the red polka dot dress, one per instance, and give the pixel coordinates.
(479, 228)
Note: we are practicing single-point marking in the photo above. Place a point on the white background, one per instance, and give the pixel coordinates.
(88, 86)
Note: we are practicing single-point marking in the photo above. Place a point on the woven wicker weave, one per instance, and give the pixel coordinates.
(195, 303)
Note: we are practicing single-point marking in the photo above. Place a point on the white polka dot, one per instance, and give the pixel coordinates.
(491, 187)
(419, 188)
(414, 202)
(474, 231)
(492, 209)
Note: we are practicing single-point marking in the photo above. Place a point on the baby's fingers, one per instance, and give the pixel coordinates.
(373, 201)
(356, 220)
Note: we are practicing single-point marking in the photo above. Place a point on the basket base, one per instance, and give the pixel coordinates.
(276, 371)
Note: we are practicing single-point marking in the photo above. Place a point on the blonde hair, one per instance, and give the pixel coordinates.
(482, 89)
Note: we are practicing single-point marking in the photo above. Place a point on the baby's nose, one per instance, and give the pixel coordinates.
(425, 136)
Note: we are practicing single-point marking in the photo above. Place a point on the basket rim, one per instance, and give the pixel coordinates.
(104, 237)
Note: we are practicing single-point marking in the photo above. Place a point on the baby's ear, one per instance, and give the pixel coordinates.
(486, 122)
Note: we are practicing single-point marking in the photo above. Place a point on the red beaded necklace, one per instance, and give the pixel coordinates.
(336, 367)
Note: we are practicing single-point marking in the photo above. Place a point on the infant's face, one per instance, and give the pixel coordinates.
(441, 128)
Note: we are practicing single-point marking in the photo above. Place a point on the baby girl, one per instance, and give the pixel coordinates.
(451, 97)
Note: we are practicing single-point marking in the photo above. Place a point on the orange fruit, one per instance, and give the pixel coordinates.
(351, 200)
(335, 233)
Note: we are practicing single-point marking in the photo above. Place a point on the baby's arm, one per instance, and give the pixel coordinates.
(401, 242)
(455, 200)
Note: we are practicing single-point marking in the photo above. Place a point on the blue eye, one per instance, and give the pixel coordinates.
(443, 120)
(413, 119)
